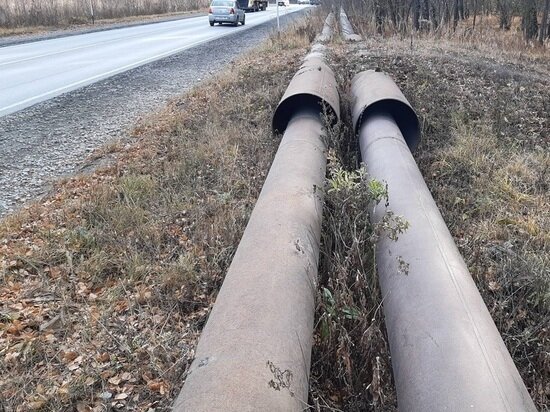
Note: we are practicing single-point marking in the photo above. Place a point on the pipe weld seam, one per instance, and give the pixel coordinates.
(401, 141)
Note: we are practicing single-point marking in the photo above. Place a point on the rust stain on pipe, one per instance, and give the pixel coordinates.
(254, 352)
(447, 354)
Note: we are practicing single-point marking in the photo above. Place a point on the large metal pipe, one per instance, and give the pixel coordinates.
(447, 353)
(328, 29)
(347, 30)
(254, 352)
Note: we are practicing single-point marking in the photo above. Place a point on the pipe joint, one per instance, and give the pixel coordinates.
(313, 88)
(384, 97)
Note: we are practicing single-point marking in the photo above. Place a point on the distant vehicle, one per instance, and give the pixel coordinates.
(315, 2)
(303, 1)
(253, 5)
(283, 2)
(226, 11)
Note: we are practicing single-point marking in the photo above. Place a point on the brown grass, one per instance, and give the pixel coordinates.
(484, 156)
(106, 284)
(505, 46)
(98, 24)
(22, 15)
(351, 366)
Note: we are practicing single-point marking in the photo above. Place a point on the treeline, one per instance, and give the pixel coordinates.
(21, 13)
(434, 14)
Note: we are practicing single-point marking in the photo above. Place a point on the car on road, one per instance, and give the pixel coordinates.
(283, 2)
(226, 11)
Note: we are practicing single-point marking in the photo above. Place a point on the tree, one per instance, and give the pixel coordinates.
(529, 22)
(416, 14)
(544, 23)
(505, 13)
(379, 16)
(475, 14)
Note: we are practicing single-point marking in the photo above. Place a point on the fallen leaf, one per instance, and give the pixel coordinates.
(115, 380)
(36, 405)
(11, 356)
(158, 386)
(104, 357)
(143, 296)
(107, 373)
(126, 376)
(70, 356)
(154, 386)
(15, 327)
(81, 407)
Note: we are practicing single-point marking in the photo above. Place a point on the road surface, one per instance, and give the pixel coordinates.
(46, 137)
(37, 71)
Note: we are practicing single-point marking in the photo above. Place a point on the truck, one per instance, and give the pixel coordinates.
(252, 5)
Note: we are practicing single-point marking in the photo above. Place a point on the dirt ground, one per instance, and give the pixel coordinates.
(485, 157)
(106, 284)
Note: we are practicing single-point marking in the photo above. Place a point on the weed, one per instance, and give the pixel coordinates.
(129, 259)
(351, 367)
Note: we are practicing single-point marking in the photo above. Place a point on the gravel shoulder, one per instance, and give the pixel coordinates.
(47, 141)
(107, 282)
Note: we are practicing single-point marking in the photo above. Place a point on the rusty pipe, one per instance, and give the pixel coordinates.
(313, 86)
(254, 352)
(447, 354)
(347, 30)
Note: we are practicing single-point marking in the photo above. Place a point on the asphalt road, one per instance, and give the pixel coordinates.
(53, 138)
(37, 71)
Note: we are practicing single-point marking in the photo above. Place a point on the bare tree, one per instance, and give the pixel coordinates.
(456, 14)
(474, 9)
(544, 23)
(400, 15)
(505, 13)
(529, 22)
(416, 14)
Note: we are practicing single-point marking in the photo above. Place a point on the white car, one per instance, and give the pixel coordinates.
(226, 11)
(283, 2)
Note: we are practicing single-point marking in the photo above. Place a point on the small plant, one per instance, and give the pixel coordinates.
(351, 354)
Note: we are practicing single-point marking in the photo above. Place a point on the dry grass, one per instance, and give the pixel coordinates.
(485, 158)
(21, 15)
(351, 366)
(103, 23)
(106, 284)
(504, 46)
